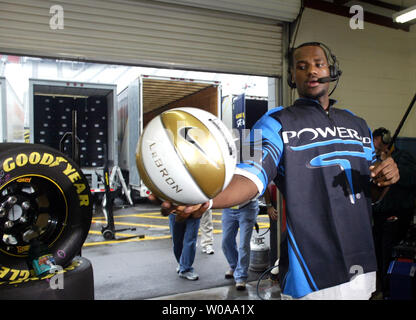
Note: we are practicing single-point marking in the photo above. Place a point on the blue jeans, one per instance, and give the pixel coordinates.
(184, 236)
(232, 219)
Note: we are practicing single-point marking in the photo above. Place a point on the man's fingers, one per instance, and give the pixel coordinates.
(193, 208)
(385, 173)
(154, 199)
(182, 211)
(387, 180)
(201, 210)
(382, 168)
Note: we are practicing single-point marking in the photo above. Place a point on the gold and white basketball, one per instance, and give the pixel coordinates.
(186, 156)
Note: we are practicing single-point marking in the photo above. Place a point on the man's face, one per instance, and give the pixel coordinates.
(309, 64)
(379, 145)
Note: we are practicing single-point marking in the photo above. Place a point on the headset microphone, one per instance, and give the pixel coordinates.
(326, 79)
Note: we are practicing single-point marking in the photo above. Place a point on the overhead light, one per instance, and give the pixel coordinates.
(405, 15)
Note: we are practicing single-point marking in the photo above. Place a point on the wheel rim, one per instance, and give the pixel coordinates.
(30, 206)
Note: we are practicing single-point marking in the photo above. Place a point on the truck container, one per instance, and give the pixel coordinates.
(3, 110)
(12, 114)
(53, 108)
(242, 111)
(145, 98)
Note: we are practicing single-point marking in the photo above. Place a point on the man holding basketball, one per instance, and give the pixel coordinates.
(322, 160)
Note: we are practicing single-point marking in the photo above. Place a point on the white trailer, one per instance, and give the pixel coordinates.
(51, 108)
(3, 110)
(145, 98)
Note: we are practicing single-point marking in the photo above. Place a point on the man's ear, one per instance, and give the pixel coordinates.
(291, 78)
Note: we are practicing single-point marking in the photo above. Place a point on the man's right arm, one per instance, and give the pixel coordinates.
(239, 190)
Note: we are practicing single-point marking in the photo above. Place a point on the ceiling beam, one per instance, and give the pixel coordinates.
(384, 5)
(341, 2)
(345, 12)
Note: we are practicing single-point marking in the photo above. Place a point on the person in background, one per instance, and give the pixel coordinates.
(207, 230)
(184, 236)
(392, 215)
(233, 219)
(241, 218)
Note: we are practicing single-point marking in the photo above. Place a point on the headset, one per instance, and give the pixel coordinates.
(334, 71)
(384, 134)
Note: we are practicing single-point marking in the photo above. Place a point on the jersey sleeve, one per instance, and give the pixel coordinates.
(266, 146)
(371, 153)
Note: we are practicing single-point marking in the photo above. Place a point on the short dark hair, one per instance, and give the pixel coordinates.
(292, 50)
(379, 132)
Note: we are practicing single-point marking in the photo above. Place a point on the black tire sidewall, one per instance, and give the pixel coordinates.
(76, 282)
(79, 214)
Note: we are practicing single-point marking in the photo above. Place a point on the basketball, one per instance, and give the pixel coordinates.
(186, 156)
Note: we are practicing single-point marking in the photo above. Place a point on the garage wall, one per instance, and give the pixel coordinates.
(146, 33)
(378, 64)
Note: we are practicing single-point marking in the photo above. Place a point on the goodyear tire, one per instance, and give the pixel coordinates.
(44, 193)
(75, 282)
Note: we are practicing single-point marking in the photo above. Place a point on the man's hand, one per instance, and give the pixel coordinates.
(385, 173)
(272, 212)
(239, 190)
(182, 211)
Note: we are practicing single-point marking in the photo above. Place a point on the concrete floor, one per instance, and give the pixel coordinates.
(144, 268)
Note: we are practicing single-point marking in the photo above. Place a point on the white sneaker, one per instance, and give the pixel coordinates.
(208, 249)
(190, 275)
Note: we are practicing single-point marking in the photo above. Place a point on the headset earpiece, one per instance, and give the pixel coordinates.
(290, 83)
(386, 136)
(334, 72)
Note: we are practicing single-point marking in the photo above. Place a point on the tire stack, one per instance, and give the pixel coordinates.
(97, 133)
(53, 118)
(64, 107)
(45, 121)
(82, 130)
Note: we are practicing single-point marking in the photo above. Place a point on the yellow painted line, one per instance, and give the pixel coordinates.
(132, 215)
(136, 215)
(156, 215)
(144, 215)
(261, 224)
(136, 224)
(117, 234)
(151, 213)
(90, 244)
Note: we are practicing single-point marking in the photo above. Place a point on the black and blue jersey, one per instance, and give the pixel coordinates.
(320, 162)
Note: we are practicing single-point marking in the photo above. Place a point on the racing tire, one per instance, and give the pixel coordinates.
(75, 282)
(43, 194)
